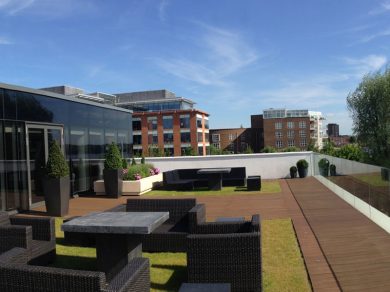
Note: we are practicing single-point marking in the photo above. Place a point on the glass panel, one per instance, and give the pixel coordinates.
(168, 138)
(185, 137)
(184, 122)
(1, 109)
(78, 156)
(2, 167)
(9, 105)
(137, 126)
(167, 122)
(36, 140)
(15, 164)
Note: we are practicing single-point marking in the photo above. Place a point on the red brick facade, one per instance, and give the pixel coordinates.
(190, 129)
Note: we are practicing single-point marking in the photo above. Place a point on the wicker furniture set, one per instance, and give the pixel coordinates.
(217, 252)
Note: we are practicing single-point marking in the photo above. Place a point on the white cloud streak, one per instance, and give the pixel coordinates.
(162, 10)
(384, 7)
(15, 6)
(5, 41)
(221, 53)
(369, 38)
(367, 64)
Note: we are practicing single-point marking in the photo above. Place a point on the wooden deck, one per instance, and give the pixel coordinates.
(355, 247)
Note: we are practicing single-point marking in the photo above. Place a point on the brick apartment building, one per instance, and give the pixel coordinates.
(283, 130)
(236, 140)
(167, 122)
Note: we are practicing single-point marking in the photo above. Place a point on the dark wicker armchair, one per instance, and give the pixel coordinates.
(35, 234)
(170, 236)
(226, 253)
(18, 277)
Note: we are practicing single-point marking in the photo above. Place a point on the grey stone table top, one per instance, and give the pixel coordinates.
(117, 222)
(214, 170)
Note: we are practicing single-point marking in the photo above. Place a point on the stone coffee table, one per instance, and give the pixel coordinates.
(116, 235)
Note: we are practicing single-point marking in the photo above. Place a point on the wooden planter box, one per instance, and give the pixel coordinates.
(132, 187)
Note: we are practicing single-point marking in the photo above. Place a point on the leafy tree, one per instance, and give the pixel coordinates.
(329, 148)
(248, 150)
(312, 146)
(291, 149)
(189, 151)
(214, 150)
(369, 105)
(351, 152)
(56, 165)
(268, 149)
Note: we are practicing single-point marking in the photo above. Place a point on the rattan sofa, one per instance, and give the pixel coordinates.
(35, 234)
(171, 235)
(225, 252)
(21, 277)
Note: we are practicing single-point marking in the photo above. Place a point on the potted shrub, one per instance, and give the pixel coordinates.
(332, 169)
(323, 165)
(293, 171)
(56, 183)
(112, 172)
(385, 174)
(302, 166)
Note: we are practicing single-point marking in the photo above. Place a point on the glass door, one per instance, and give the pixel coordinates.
(39, 138)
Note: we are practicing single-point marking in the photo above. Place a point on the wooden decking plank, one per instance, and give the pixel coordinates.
(355, 247)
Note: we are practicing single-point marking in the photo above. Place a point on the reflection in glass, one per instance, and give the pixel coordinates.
(36, 138)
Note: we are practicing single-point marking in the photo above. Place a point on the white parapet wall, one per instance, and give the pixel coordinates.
(268, 165)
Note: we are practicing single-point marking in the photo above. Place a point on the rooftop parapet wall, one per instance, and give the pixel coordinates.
(268, 165)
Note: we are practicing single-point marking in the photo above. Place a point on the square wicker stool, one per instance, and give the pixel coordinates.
(253, 183)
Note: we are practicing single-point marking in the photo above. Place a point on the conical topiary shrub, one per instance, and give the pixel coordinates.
(56, 184)
(112, 172)
(56, 165)
(113, 159)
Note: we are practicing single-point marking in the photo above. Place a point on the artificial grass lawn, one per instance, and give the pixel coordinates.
(374, 179)
(283, 267)
(269, 186)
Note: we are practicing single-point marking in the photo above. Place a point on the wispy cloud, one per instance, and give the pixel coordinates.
(15, 6)
(5, 41)
(367, 64)
(371, 37)
(384, 7)
(162, 10)
(216, 54)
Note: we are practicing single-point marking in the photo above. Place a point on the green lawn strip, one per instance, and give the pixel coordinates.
(372, 179)
(283, 267)
(271, 186)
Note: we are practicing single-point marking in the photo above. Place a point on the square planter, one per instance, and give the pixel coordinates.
(57, 194)
(132, 187)
(113, 182)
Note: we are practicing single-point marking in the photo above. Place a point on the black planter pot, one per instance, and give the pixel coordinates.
(302, 172)
(333, 171)
(293, 174)
(57, 194)
(324, 171)
(113, 182)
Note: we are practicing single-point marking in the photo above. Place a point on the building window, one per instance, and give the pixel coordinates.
(168, 151)
(290, 134)
(185, 137)
(217, 145)
(152, 138)
(206, 137)
(206, 124)
(200, 150)
(199, 122)
(278, 134)
(168, 138)
(279, 144)
(278, 125)
(185, 121)
(137, 125)
(302, 134)
(302, 124)
(137, 139)
(290, 125)
(232, 137)
(152, 123)
(291, 143)
(215, 138)
(167, 122)
(200, 137)
(303, 143)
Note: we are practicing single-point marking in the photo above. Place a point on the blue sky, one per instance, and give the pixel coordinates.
(234, 58)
